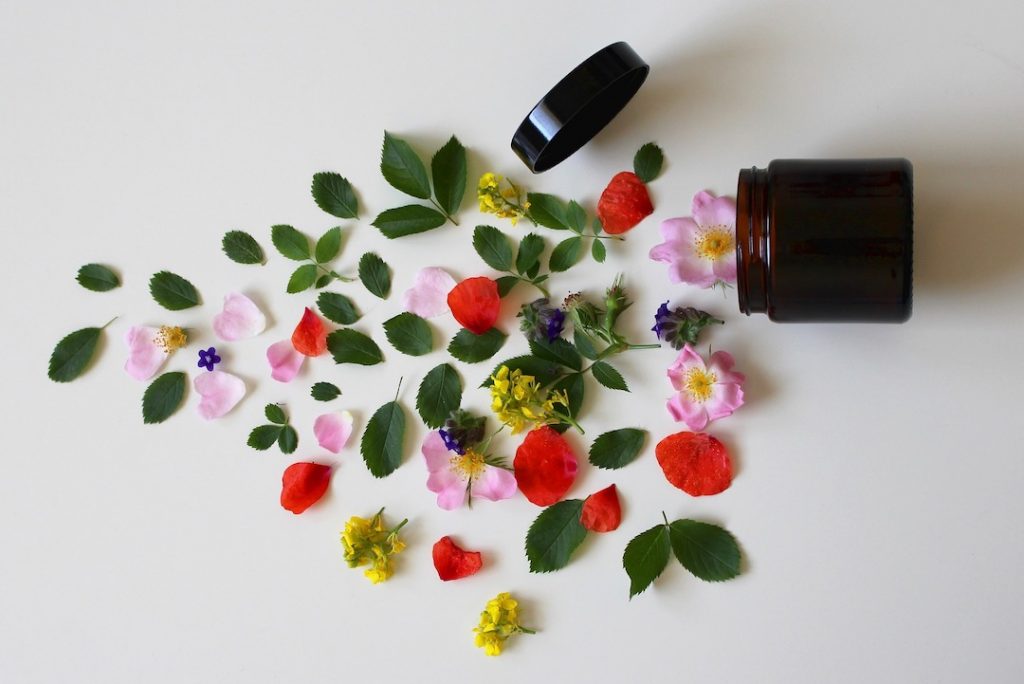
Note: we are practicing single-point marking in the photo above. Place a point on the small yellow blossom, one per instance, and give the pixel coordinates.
(519, 401)
(171, 338)
(369, 542)
(498, 621)
(503, 202)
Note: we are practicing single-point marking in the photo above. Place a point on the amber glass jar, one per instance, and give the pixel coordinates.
(826, 240)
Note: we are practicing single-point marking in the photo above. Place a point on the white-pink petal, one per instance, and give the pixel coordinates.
(284, 361)
(239, 319)
(435, 453)
(709, 210)
(428, 296)
(145, 356)
(494, 484)
(333, 429)
(219, 392)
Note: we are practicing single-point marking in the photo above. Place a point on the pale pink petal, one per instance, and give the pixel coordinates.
(449, 487)
(683, 230)
(435, 453)
(725, 268)
(678, 251)
(709, 210)
(685, 411)
(686, 360)
(239, 319)
(725, 398)
(285, 362)
(721, 363)
(333, 429)
(219, 392)
(494, 484)
(428, 296)
(144, 355)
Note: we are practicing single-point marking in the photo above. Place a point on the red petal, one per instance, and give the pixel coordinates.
(303, 484)
(697, 463)
(452, 562)
(475, 304)
(624, 203)
(545, 466)
(601, 511)
(310, 336)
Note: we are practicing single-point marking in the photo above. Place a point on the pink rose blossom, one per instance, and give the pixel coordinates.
(219, 392)
(704, 392)
(453, 477)
(428, 296)
(284, 361)
(700, 249)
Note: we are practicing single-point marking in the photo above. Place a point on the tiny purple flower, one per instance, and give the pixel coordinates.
(451, 443)
(208, 358)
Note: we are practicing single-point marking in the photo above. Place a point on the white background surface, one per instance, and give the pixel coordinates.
(878, 493)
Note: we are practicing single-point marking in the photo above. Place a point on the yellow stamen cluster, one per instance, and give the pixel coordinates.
(171, 338)
(714, 242)
(369, 542)
(498, 621)
(504, 202)
(699, 383)
(469, 465)
(519, 401)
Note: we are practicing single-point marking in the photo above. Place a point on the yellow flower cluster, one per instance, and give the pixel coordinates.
(369, 542)
(519, 401)
(498, 621)
(171, 338)
(502, 202)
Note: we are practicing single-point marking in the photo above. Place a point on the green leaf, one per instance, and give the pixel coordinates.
(302, 278)
(375, 275)
(275, 414)
(530, 249)
(606, 374)
(647, 162)
(544, 371)
(402, 168)
(328, 246)
(324, 391)
(547, 210)
(409, 334)
(448, 169)
(505, 284)
(351, 346)
(493, 247)
(708, 551)
(598, 251)
(408, 220)
(322, 282)
(584, 345)
(73, 353)
(469, 347)
(645, 558)
(263, 437)
(440, 393)
(381, 445)
(287, 439)
(565, 254)
(97, 278)
(290, 243)
(554, 535)
(559, 351)
(617, 448)
(574, 387)
(576, 217)
(334, 194)
(163, 397)
(242, 248)
(338, 308)
(597, 226)
(173, 292)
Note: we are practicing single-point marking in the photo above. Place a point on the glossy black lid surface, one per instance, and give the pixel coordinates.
(579, 106)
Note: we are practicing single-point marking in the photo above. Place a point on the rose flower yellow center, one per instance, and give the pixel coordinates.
(469, 465)
(699, 383)
(714, 243)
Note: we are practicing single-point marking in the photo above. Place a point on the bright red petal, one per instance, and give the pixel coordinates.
(695, 462)
(601, 511)
(475, 304)
(624, 203)
(303, 484)
(545, 466)
(310, 336)
(452, 562)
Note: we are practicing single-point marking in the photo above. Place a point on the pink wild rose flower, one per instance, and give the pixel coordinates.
(704, 392)
(700, 249)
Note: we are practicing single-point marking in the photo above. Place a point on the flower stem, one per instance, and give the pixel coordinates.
(446, 214)
(527, 630)
(109, 322)
(643, 346)
(394, 530)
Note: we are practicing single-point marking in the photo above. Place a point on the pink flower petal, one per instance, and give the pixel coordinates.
(495, 484)
(725, 398)
(449, 487)
(725, 268)
(690, 412)
(709, 210)
(239, 319)
(285, 362)
(435, 453)
(220, 393)
(428, 296)
(144, 356)
(682, 230)
(332, 430)
(686, 360)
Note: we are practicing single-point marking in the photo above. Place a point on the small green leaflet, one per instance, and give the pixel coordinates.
(375, 275)
(559, 351)
(709, 552)
(617, 448)
(440, 393)
(472, 348)
(598, 251)
(173, 292)
(381, 445)
(72, 354)
(242, 248)
(287, 439)
(408, 220)
(334, 194)
(337, 307)
(351, 346)
(645, 558)
(493, 247)
(323, 281)
(554, 535)
(505, 284)
(290, 243)
(584, 345)
(576, 217)
(302, 278)
(530, 249)
(275, 414)
(647, 162)
(409, 334)
(606, 374)
(263, 437)
(328, 246)
(163, 397)
(402, 168)
(547, 210)
(97, 277)
(324, 391)
(565, 254)
(448, 169)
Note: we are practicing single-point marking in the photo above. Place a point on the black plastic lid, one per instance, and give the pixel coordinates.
(579, 106)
